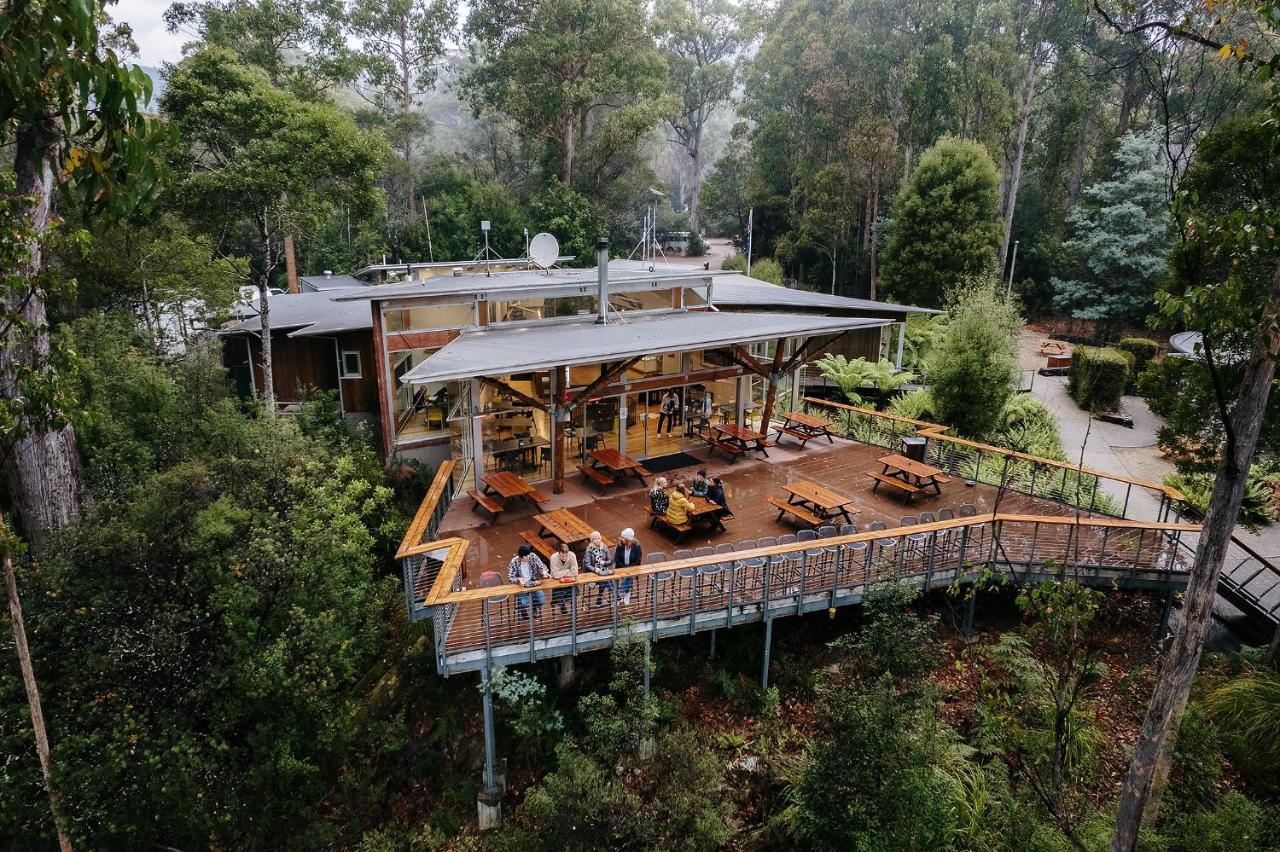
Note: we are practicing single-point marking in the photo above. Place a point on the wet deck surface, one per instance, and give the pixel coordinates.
(749, 483)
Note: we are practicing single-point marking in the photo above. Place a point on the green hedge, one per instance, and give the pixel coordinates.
(1143, 349)
(1098, 377)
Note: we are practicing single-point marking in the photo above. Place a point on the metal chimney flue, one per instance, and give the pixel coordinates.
(602, 278)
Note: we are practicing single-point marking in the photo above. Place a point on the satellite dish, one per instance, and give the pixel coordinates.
(543, 250)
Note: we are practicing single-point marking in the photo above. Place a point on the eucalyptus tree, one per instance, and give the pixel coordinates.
(701, 41)
(258, 163)
(71, 112)
(402, 43)
(298, 43)
(1227, 297)
(567, 72)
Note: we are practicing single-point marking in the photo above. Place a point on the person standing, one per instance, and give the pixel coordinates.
(527, 570)
(668, 412)
(564, 567)
(626, 555)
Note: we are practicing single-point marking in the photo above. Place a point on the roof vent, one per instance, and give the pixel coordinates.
(457, 272)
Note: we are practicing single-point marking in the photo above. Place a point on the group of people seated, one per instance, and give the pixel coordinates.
(673, 503)
(527, 569)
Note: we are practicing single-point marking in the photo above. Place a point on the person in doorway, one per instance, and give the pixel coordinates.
(564, 567)
(668, 412)
(658, 497)
(701, 484)
(626, 555)
(526, 570)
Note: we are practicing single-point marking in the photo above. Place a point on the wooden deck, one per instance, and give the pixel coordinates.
(749, 483)
(754, 575)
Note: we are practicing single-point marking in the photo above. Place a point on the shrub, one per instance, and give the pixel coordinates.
(1025, 424)
(1247, 711)
(1143, 350)
(1258, 509)
(916, 405)
(1098, 377)
(697, 245)
(860, 374)
(974, 371)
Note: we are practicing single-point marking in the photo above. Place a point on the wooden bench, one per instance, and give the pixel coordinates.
(642, 472)
(802, 437)
(537, 496)
(731, 450)
(484, 501)
(544, 547)
(882, 478)
(599, 477)
(800, 513)
(679, 530)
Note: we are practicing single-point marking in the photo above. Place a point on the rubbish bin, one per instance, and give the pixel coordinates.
(914, 447)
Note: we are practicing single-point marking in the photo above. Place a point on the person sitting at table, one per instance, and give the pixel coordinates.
(527, 570)
(564, 565)
(701, 484)
(678, 508)
(625, 555)
(716, 495)
(658, 497)
(597, 560)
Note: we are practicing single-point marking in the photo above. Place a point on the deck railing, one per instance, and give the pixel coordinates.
(498, 625)
(1062, 482)
(421, 556)
(1251, 582)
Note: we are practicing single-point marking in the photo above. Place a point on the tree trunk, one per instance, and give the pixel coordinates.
(1077, 163)
(695, 194)
(42, 468)
(1126, 99)
(1273, 653)
(1015, 174)
(567, 170)
(264, 318)
(871, 232)
(1169, 698)
(33, 701)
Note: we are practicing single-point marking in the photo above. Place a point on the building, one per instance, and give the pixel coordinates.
(457, 363)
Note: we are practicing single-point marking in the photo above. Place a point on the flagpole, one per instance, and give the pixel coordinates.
(750, 217)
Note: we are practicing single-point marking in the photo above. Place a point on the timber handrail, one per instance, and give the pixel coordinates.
(925, 429)
(439, 596)
(412, 543)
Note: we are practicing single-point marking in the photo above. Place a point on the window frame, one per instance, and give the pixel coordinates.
(342, 363)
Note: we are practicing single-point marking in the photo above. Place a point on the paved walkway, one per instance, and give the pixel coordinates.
(1129, 452)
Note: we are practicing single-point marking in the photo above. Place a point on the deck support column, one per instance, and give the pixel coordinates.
(768, 649)
(972, 605)
(489, 801)
(712, 652)
(1165, 613)
(567, 671)
(558, 414)
(771, 393)
(902, 339)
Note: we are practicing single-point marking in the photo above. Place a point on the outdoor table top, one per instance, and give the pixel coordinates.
(508, 444)
(818, 495)
(807, 420)
(507, 484)
(614, 460)
(564, 525)
(740, 433)
(909, 466)
(702, 506)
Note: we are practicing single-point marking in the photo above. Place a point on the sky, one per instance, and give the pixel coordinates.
(155, 43)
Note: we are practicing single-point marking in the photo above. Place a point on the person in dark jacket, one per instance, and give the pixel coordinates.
(716, 495)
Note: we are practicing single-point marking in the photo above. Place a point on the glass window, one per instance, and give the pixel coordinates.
(351, 365)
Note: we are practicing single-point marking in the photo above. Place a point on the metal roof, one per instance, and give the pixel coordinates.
(309, 313)
(449, 264)
(330, 282)
(738, 290)
(536, 347)
(550, 282)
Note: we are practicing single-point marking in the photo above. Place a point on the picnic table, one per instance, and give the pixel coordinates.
(805, 427)
(824, 502)
(510, 486)
(737, 440)
(703, 512)
(908, 475)
(565, 526)
(617, 463)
